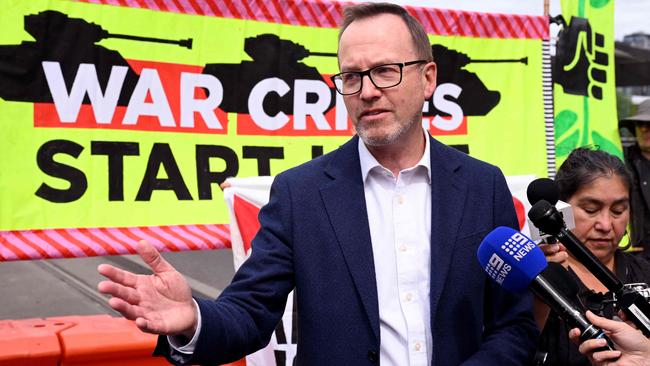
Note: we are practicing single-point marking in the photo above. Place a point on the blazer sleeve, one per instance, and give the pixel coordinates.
(241, 320)
(510, 333)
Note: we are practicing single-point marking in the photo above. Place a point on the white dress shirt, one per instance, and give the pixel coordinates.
(399, 215)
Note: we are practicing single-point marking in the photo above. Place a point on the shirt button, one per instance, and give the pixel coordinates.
(400, 199)
(373, 356)
(403, 248)
(408, 297)
(418, 346)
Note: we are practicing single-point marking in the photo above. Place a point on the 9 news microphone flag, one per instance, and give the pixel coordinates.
(244, 198)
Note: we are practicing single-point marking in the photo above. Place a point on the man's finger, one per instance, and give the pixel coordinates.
(151, 256)
(606, 356)
(118, 275)
(127, 310)
(128, 294)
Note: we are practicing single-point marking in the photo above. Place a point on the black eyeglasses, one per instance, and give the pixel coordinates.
(381, 76)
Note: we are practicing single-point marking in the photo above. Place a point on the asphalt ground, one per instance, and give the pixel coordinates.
(62, 287)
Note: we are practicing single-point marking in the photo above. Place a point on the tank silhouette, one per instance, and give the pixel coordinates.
(69, 41)
(475, 99)
(272, 57)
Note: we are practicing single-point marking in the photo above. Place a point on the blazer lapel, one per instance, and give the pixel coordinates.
(345, 204)
(448, 192)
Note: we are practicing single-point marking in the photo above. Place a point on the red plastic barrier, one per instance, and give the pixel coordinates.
(95, 340)
(102, 340)
(30, 342)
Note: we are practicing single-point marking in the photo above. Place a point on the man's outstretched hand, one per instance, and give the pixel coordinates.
(160, 303)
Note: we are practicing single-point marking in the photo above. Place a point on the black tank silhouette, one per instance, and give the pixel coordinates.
(475, 99)
(272, 57)
(69, 41)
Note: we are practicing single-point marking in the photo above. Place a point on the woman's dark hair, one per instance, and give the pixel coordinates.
(584, 165)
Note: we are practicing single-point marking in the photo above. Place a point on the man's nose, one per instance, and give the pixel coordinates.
(368, 88)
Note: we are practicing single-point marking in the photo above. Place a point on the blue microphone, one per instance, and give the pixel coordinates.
(515, 262)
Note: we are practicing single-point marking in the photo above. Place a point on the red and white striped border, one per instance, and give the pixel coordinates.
(81, 242)
(328, 14)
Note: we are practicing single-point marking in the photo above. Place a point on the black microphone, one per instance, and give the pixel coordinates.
(542, 189)
(546, 217)
(546, 189)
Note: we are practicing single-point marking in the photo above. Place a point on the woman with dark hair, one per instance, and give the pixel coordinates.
(597, 186)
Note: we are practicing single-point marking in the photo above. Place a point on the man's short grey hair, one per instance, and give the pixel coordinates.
(418, 34)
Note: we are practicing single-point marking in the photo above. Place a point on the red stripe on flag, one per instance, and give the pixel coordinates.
(190, 244)
(28, 243)
(293, 7)
(325, 11)
(86, 233)
(232, 8)
(63, 250)
(17, 251)
(130, 248)
(171, 246)
(266, 14)
(312, 14)
(280, 11)
(127, 232)
(206, 228)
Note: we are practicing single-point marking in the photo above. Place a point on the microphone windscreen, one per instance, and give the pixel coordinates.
(542, 189)
(510, 258)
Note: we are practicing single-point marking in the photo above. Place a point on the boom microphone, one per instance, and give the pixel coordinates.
(546, 217)
(515, 262)
(546, 189)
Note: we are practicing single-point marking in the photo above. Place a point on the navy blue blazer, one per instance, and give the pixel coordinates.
(314, 236)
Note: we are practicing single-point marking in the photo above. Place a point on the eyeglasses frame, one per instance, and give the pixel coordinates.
(367, 72)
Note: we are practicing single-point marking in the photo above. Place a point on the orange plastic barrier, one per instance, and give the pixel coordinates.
(95, 340)
(102, 340)
(30, 342)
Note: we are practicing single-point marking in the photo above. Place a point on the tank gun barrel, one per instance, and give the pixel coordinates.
(187, 43)
(325, 54)
(523, 60)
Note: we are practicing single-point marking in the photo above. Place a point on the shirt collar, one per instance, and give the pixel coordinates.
(368, 162)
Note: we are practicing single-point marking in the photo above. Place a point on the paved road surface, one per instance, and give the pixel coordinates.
(60, 287)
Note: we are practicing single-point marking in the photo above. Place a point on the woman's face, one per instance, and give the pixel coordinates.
(601, 210)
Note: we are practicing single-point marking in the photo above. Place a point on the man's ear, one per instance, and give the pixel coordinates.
(430, 76)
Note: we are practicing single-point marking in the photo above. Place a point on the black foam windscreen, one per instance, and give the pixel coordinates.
(542, 189)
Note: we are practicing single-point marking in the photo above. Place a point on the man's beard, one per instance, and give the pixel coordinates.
(384, 139)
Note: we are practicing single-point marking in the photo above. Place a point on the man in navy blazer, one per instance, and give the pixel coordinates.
(335, 229)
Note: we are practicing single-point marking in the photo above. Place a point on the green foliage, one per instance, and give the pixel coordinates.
(564, 121)
(606, 145)
(598, 3)
(564, 147)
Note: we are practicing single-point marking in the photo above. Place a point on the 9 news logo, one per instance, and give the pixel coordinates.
(497, 269)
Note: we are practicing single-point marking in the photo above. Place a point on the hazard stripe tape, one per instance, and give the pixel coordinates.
(328, 14)
(88, 242)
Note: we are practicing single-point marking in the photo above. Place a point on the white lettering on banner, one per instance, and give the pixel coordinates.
(301, 109)
(256, 100)
(447, 106)
(85, 82)
(149, 83)
(206, 107)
